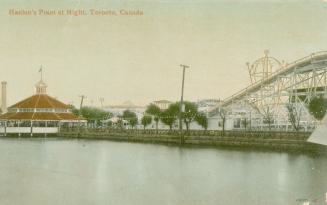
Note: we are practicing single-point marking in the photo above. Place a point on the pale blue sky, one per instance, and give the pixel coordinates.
(137, 58)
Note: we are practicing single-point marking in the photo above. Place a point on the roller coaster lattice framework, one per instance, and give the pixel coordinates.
(275, 84)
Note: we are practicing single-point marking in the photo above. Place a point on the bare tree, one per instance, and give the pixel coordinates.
(268, 117)
(294, 115)
(245, 123)
(222, 113)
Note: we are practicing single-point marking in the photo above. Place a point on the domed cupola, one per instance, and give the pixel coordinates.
(41, 88)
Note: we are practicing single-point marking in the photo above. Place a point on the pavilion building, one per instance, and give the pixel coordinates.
(38, 114)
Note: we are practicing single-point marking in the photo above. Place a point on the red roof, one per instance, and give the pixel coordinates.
(40, 101)
(39, 116)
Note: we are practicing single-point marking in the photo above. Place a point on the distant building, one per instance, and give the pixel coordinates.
(39, 113)
(238, 117)
(162, 104)
(206, 105)
(117, 110)
(245, 116)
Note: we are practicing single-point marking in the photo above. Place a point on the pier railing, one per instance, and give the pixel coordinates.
(190, 133)
(260, 139)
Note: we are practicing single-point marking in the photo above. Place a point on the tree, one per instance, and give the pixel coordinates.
(92, 114)
(155, 111)
(146, 120)
(120, 123)
(130, 117)
(268, 117)
(223, 113)
(202, 120)
(170, 115)
(109, 124)
(74, 110)
(191, 111)
(245, 122)
(294, 115)
(318, 107)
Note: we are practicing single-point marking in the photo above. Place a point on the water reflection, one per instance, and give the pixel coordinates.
(103, 172)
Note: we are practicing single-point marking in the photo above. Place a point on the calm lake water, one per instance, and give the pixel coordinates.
(56, 171)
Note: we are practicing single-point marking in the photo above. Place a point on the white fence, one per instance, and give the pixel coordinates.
(22, 130)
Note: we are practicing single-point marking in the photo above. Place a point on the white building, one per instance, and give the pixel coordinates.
(206, 105)
(37, 114)
(242, 115)
(118, 110)
(162, 104)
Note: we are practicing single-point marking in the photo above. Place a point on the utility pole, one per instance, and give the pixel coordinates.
(81, 105)
(82, 99)
(80, 113)
(181, 106)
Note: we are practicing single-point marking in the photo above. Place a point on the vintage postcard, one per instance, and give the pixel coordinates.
(163, 102)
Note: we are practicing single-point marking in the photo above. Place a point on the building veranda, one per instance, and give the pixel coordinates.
(38, 114)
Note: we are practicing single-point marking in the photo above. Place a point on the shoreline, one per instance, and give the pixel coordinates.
(254, 141)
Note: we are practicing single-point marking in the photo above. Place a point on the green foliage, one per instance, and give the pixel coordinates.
(120, 123)
(190, 114)
(202, 120)
(146, 120)
(318, 107)
(110, 124)
(91, 113)
(170, 115)
(155, 111)
(191, 111)
(75, 111)
(130, 117)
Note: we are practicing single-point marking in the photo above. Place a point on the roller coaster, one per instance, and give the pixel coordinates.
(274, 84)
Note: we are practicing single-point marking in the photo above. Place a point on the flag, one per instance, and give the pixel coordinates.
(40, 71)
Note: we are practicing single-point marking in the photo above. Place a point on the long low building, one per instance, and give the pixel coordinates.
(38, 114)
